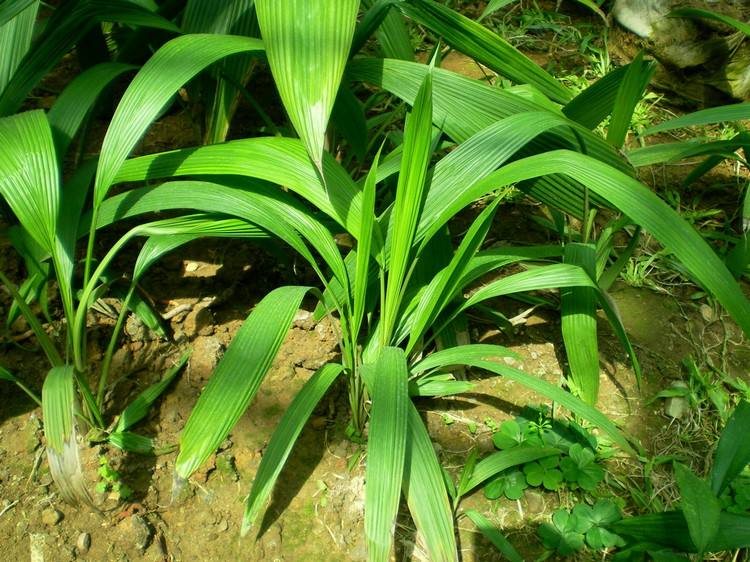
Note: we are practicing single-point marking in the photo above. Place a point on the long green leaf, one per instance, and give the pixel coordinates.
(503, 460)
(284, 438)
(484, 46)
(699, 506)
(58, 408)
(237, 378)
(697, 13)
(78, 99)
(408, 205)
(6, 375)
(629, 94)
(392, 33)
(480, 356)
(578, 308)
(9, 9)
(646, 209)
(17, 21)
(733, 451)
(235, 17)
(426, 494)
(670, 529)
(724, 113)
(169, 68)
(387, 380)
(64, 29)
(307, 43)
(278, 160)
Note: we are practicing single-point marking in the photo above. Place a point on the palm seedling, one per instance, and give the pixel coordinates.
(403, 288)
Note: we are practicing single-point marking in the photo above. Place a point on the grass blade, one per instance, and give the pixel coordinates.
(283, 439)
(486, 527)
(386, 449)
(733, 451)
(697, 13)
(307, 43)
(6, 375)
(237, 378)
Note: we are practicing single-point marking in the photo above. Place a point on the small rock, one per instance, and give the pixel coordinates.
(83, 543)
(707, 313)
(52, 517)
(534, 502)
(677, 406)
(192, 266)
(205, 357)
(136, 531)
(534, 355)
(303, 320)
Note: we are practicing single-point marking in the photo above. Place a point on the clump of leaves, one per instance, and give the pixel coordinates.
(584, 525)
(111, 481)
(576, 465)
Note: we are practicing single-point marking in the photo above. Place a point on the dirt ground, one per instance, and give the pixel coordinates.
(316, 513)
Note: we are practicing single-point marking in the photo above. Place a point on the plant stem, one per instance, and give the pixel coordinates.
(107, 362)
(44, 340)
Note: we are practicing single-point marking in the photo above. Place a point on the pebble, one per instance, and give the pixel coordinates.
(51, 516)
(676, 406)
(83, 543)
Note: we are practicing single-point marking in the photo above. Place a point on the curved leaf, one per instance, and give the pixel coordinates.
(169, 68)
(237, 378)
(307, 43)
(284, 438)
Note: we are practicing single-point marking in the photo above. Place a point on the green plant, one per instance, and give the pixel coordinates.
(584, 525)
(401, 290)
(110, 481)
(573, 465)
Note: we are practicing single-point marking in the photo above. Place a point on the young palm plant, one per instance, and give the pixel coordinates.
(403, 288)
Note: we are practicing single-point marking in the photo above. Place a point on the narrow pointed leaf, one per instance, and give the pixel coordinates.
(237, 378)
(724, 113)
(284, 438)
(307, 43)
(138, 408)
(644, 208)
(6, 375)
(386, 448)
(698, 13)
(499, 461)
(426, 494)
(578, 308)
(78, 99)
(132, 442)
(733, 451)
(409, 201)
(17, 20)
(169, 68)
(629, 94)
(481, 356)
(699, 506)
(484, 46)
(70, 22)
